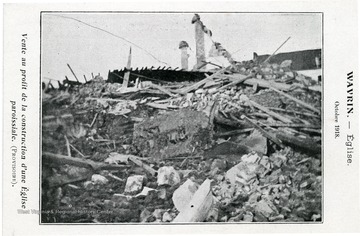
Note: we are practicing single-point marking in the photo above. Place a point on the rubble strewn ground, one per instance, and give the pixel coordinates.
(230, 149)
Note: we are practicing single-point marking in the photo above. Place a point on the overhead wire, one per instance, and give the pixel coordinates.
(115, 35)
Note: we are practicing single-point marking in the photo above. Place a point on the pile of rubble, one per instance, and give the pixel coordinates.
(241, 145)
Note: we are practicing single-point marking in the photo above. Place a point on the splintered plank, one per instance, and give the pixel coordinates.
(276, 115)
(294, 112)
(233, 132)
(201, 82)
(161, 88)
(296, 100)
(62, 160)
(262, 131)
(267, 84)
(73, 73)
(141, 164)
(239, 79)
(158, 106)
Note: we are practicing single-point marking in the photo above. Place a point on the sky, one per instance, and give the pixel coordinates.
(89, 50)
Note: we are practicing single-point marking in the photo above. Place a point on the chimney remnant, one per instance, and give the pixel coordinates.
(183, 46)
(200, 42)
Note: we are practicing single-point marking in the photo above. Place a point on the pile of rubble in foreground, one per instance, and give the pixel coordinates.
(242, 145)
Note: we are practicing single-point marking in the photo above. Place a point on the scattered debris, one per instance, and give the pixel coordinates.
(173, 134)
(167, 175)
(264, 208)
(167, 217)
(116, 158)
(256, 142)
(242, 173)
(99, 179)
(88, 185)
(145, 192)
(235, 144)
(134, 184)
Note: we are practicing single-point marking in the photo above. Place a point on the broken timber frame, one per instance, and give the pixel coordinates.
(201, 82)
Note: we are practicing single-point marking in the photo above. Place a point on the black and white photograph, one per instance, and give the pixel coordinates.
(181, 117)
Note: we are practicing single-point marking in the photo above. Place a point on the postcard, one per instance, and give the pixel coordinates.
(181, 117)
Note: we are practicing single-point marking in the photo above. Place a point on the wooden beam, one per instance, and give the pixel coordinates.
(85, 79)
(67, 146)
(162, 89)
(261, 130)
(159, 106)
(294, 112)
(264, 109)
(136, 160)
(62, 160)
(296, 100)
(267, 59)
(233, 132)
(73, 72)
(307, 143)
(127, 73)
(260, 82)
(211, 63)
(201, 82)
(236, 81)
